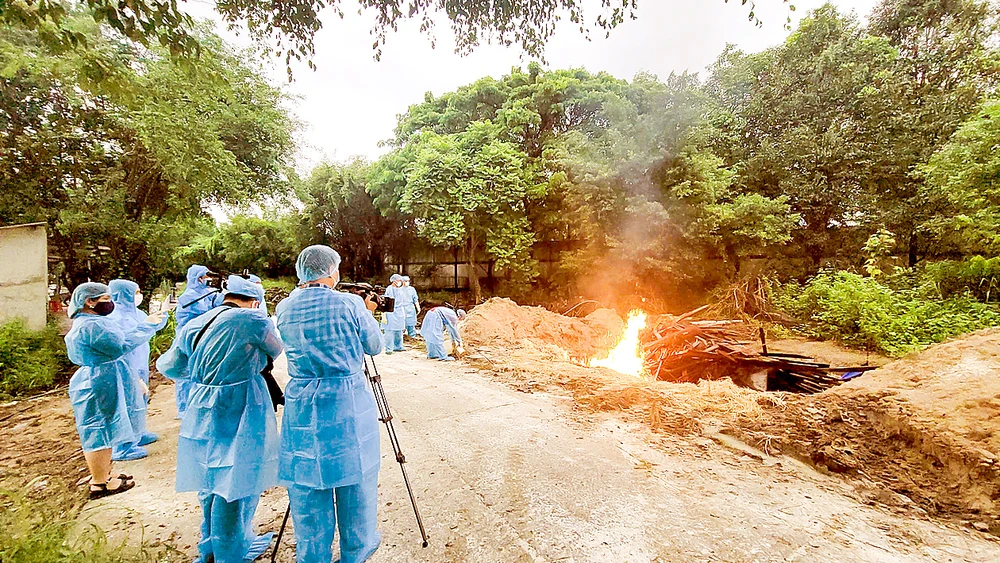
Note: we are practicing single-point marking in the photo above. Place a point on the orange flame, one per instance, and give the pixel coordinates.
(626, 357)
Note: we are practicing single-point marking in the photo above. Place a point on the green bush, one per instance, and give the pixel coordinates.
(861, 312)
(976, 276)
(162, 340)
(29, 360)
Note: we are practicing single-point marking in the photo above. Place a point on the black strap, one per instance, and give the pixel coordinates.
(201, 332)
(273, 389)
(213, 292)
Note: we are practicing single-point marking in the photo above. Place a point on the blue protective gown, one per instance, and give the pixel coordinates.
(97, 390)
(410, 304)
(395, 321)
(330, 434)
(196, 300)
(227, 450)
(436, 321)
(128, 318)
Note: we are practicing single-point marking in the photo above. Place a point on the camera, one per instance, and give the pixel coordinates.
(218, 279)
(366, 290)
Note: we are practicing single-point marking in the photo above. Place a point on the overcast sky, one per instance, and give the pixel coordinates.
(351, 101)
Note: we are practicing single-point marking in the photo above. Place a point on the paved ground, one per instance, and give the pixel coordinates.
(506, 476)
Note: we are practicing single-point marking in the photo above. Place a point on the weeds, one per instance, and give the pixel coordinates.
(162, 340)
(29, 360)
(46, 530)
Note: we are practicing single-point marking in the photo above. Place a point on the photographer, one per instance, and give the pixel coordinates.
(329, 456)
(197, 299)
(227, 450)
(395, 320)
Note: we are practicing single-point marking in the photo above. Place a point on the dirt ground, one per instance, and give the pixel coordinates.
(519, 453)
(922, 432)
(926, 428)
(503, 475)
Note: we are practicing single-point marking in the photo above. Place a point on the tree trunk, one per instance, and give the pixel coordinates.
(472, 272)
(911, 258)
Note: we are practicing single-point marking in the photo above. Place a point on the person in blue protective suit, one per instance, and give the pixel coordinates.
(227, 450)
(411, 306)
(257, 280)
(436, 322)
(329, 456)
(126, 297)
(395, 320)
(99, 346)
(197, 299)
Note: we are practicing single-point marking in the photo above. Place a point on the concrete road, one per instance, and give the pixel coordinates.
(503, 476)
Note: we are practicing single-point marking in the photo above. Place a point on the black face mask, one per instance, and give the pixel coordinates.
(104, 308)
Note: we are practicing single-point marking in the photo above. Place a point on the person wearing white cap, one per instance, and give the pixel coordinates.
(411, 306)
(395, 321)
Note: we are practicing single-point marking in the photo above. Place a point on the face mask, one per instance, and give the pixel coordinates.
(138, 300)
(104, 308)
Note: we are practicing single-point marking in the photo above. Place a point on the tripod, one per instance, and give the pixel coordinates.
(385, 416)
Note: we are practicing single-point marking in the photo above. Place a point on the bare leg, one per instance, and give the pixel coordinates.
(99, 463)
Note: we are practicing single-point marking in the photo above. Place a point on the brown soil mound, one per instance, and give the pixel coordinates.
(927, 427)
(501, 321)
(923, 430)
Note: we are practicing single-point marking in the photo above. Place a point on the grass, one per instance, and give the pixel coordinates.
(45, 529)
(30, 361)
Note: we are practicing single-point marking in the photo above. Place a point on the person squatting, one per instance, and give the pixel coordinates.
(229, 448)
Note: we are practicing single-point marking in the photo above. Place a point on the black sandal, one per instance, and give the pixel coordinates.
(103, 490)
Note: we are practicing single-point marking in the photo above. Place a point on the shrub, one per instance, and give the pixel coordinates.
(976, 276)
(861, 312)
(162, 340)
(29, 360)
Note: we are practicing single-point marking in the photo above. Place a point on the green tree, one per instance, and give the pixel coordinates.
(467, 189)
(947, 61)
(962, 187)
(807, 120)
(118, 149)
(338, 211)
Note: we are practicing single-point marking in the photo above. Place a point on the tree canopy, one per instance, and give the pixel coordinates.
(288, 28)
(121, 151)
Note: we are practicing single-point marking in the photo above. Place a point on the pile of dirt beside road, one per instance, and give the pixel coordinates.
(923, 431)
(926, 427)
(501, 321)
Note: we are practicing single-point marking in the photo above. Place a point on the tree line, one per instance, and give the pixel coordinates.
(851, 140)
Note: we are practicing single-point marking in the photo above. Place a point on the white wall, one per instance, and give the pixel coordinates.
(24, 274)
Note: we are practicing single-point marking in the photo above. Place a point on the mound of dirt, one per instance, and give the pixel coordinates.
(927, 427)
(502, 321)
(923, 431)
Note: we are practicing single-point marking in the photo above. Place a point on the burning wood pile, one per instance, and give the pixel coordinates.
(683, 350)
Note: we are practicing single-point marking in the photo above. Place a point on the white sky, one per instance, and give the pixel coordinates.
(351, 102)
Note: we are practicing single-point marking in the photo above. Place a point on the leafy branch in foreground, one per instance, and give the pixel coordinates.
(289, 27)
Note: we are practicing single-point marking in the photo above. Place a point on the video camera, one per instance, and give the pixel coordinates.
(366, 290)
(217, 280)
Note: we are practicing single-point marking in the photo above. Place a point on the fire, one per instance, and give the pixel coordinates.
(626, 357)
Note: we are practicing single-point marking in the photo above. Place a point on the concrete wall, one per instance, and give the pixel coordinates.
(24, 274)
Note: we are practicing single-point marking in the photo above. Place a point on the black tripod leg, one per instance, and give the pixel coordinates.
(281, 532)
(386, 417)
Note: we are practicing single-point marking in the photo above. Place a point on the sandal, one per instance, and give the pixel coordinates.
(102, 489)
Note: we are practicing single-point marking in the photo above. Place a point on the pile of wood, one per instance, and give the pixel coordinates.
(683, 350)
